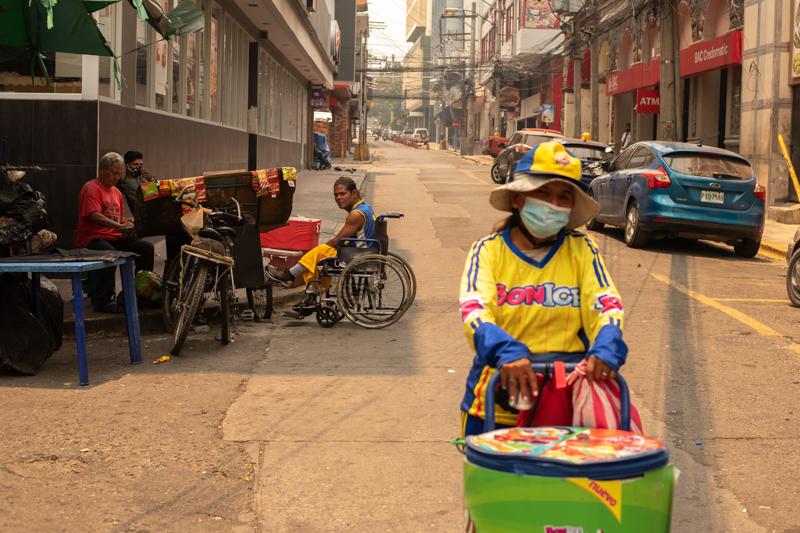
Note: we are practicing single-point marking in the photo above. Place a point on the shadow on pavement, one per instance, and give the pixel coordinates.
(681, 246)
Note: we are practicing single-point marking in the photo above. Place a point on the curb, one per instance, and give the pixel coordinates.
(773, 250)
(150, 322)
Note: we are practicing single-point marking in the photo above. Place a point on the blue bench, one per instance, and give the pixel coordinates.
(76, 268)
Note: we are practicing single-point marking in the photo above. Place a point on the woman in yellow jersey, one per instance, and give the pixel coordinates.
(536, 286)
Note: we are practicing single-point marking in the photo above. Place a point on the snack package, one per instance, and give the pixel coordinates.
(150, 190)
(289, 173)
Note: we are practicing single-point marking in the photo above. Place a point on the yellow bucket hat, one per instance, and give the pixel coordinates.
(545, 163)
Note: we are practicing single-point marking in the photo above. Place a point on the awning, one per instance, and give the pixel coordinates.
(713, 54)
(637, 76)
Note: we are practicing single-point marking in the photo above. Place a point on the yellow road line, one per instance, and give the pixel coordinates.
(760, 327)
(754, 300)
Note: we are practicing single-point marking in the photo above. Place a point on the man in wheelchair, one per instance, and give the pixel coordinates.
(359, 223)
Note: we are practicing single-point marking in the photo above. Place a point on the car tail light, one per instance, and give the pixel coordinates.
(521, 148)
(657, 179)
(761, 192)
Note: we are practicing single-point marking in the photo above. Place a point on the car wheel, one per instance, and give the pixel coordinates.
(635, 236)
(497, 176)
(747, 248)
(593, 224)
(793, 279)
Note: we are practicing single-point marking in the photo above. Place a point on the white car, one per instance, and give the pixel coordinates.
(407, 135)
(421, 135)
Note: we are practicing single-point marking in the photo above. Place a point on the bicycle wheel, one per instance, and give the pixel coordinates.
(260, 301)
(188, 305)
(373, 290)
(225, 296)
(170, 295)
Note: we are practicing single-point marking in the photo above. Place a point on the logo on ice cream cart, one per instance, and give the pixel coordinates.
(608, 492)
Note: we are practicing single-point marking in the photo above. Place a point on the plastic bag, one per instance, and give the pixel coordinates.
(193, 221)
(148, 286)
(597, 404)
(25, 342)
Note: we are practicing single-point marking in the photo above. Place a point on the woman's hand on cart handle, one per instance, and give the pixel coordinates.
(519, 375)
(596, 369)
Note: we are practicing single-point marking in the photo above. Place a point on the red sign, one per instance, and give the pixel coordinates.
(637, 76)
(456, 123)
(648, 101)
(713, 54)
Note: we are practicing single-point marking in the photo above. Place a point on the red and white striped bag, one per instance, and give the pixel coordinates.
(597, 404)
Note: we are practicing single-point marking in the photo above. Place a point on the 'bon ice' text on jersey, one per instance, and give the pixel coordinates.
(513, 306)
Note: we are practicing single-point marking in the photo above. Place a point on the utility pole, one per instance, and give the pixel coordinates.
(468, 128)
(498, 43)
(595, 89)
(577, 74)
(363, 151)
(668, 88)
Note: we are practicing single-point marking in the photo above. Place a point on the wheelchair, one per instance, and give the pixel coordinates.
(365, 282)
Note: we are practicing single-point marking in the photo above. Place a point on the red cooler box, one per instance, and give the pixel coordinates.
(299, 234)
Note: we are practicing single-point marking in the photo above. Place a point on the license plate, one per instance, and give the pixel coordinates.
(712, 197)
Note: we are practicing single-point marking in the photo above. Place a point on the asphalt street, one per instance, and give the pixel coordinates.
(295, 428)
(352, 425)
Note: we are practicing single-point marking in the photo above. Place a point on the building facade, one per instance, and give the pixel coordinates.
(416, 63)
(233, 95)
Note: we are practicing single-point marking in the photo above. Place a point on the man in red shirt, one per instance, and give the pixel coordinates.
(102, 226)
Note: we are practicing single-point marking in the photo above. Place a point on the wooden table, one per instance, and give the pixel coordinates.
(76, 268)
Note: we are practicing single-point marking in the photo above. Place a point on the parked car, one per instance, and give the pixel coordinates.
(592, 154)
(421, 135)
(512, 152)
(493, 145)
(656, 188)
(407, 135)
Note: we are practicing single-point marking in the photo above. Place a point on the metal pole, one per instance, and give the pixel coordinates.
(577, 72)
(595, 90)
(498, 43)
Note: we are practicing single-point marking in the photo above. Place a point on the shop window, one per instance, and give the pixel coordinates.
(108, 20)
(192, 71)
(161, 67)
(64, 70)
(176, 82)
(213, 69)
(202, 72)
(142, 63)
(234, 65)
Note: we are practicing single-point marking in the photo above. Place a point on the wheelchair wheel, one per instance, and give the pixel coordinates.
(374, 291)
(328, 315)
(412, 279)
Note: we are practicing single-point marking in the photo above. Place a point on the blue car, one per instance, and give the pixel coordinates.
(659, 188)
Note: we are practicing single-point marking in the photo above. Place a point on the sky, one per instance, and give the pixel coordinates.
(391, 40)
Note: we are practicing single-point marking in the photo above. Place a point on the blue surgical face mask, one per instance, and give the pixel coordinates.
(543, 219)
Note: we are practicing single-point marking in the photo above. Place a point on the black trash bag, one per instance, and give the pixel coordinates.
(18, 201)
(25, 342)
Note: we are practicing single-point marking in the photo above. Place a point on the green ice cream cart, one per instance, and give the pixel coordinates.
(566, 479)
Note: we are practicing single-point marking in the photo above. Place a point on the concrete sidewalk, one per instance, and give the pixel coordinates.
(313, 198)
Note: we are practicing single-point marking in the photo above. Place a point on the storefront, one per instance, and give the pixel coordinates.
(711, 72)
(622, 87)
(530, 111)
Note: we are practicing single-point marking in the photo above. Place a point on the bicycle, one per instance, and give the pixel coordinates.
(205, 266)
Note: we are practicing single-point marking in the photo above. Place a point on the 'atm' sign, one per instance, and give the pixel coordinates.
(648, 101)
